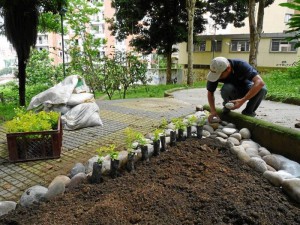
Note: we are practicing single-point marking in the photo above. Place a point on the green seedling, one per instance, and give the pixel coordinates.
(163, 124)
(191, 120)
(179, 124)
(108, 148)
(157, 134)
(201, 121)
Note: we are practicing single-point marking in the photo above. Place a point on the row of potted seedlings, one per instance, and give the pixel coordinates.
(135, 140)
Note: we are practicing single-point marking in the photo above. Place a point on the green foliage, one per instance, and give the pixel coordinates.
(111, 149)
(130, 137)
(191, 120)
(40, 69)
(179, 124)
(139, 137)
(86, 61)
(294, 22)
(157, 134)
(28, 121)
(163, 124)
(201, 121)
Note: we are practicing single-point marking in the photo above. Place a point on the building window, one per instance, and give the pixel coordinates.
(200, 46)
(287, 17)
(216, 46)
(239, 46)
(281, 45)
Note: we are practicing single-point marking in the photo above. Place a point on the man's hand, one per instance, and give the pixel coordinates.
(212, 117)
(237, 103)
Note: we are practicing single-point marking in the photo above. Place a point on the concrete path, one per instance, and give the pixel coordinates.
(282, 114)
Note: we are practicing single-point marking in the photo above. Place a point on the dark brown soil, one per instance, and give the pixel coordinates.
(195, 182)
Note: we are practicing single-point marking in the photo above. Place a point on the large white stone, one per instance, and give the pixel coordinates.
(222, 135)
(272, 161)
(208, 128)
(262, 151)
(33, 194)
(237, 136)
(288, 165)
(6, 207)
(228, 130)
(245, 133)
(243, 156)
(234, 141)
(57, 188)
(252, 152)
(79, 178)
(78, 168)
(236, 149)
(258, 164)
(60, 178)
(249, 144)
(292, 187)
(273, 177)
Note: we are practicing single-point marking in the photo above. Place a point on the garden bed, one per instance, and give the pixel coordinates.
(194, 182)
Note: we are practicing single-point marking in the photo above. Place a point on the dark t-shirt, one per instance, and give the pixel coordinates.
(241, 76)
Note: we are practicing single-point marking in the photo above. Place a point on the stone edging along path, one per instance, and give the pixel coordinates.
(277, 169)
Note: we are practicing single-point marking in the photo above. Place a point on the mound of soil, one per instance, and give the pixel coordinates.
(195, 182)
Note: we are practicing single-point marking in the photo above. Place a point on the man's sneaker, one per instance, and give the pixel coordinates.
(253, 114)
(225, 110)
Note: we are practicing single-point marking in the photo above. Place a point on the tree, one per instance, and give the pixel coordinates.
(294, 22)
(86, 58)
(224, 12)
(191, 12)
(157, 25)
(20, 27)
(40, 69)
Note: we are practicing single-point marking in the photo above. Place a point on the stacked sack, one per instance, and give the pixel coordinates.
(72, 98)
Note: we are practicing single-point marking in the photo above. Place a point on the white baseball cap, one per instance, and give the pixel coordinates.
(217, 66)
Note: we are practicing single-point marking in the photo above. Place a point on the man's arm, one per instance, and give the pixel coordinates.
(258, 84)
(211, 102)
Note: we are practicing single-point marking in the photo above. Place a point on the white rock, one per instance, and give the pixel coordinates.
(263, 151)
(288, 165)
(171, 126)
(79, 178)
(60, 178)
(221, 140)
(272, 161)
(6, 207)
(234, 141)
(249, 144)
(122, 157)
(230, 125)
(252, 152)
(78, 168)
(228, 130)
(205, 133)
(57, 188)
(245, 133)
(200, 114)
(222, 135)
(90, 162)
(236, 149)
(273, 177)
(270, 168)
(292, 187)
(32, 194)
(258, 164)
(208, 128)
(243, 156)
(229, 105)
(237, 136)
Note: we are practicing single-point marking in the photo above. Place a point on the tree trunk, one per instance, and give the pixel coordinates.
(191, 13)
(22, 81)
(255, 29)
(169, 66)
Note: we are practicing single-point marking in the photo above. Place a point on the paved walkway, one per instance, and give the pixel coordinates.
(143, 115)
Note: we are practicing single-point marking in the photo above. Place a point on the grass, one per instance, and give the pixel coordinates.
(153, 91)
(282, 85)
